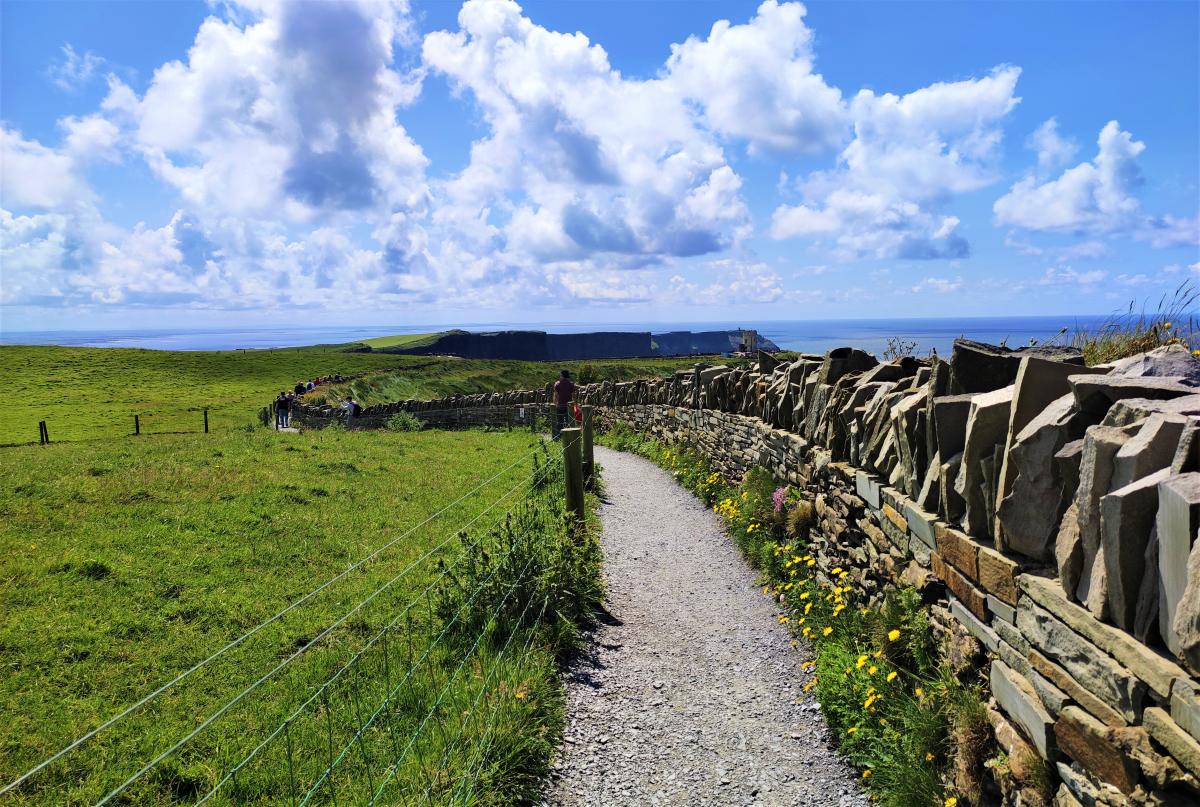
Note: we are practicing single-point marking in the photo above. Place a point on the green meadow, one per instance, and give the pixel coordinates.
(94, 393)
(124, 563)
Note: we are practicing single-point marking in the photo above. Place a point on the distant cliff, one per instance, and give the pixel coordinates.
(542, 346)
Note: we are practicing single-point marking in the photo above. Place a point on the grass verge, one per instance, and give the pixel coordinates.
(915, 728)
(122, 565)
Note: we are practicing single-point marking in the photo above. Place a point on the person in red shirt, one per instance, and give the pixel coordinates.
(564, 394)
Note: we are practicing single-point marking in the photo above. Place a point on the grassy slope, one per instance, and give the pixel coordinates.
(402, 340)
(93, 393)
(121, 563)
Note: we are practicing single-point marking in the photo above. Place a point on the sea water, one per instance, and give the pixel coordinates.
(811, 336)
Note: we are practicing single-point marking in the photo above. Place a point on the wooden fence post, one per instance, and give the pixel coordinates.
(573, 468)
(206, 420)
(589, 459)
(43, 437)
(137, 425)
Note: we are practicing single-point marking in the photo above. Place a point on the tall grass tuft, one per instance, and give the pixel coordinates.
(1172, 322)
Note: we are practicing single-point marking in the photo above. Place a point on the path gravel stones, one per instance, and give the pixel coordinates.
(691, 694)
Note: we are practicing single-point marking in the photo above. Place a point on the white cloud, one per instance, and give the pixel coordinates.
(276, 115)
(92, 137)
(1097, 198)
(1091, 198)
(1170, 231)
(736, 281)
(73, 71)
(1067, 276)
(939, 285)
(1053, 151)
(579, 163)
(33, 175)
(756, 82)
(910, 155)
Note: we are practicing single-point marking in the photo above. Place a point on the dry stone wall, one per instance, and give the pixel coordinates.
(1048, 510)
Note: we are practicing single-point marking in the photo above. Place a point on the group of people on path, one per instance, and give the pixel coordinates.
(349, 407)
(312, 383)
(563, 397)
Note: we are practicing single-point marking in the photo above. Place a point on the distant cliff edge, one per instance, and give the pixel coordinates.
(542, 346)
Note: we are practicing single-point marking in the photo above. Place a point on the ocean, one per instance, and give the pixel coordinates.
(812, 336)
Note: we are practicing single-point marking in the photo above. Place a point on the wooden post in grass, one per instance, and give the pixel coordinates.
(43, 437)
(573, 468)
(206, 420)
(137, 425)
(589, 458)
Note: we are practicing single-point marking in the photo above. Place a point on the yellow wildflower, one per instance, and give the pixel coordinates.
(826, 631)
(928, 756)
(891, 676)
(852, 729)
(872, 670)
(862, 662)
(867, 773)
(950, 802)
(893, 635)
(920, 693)
(520, 696)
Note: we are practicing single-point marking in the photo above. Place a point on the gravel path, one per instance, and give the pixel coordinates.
(691, 694)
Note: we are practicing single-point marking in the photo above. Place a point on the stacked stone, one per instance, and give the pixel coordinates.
(996, 471)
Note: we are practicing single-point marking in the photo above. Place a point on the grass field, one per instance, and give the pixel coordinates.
(123, 563)
(402, 340)
(93, 393)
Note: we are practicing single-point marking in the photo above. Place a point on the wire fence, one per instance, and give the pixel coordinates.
(400, 699)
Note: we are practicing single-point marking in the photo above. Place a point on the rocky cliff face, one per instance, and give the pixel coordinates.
(1051, 511)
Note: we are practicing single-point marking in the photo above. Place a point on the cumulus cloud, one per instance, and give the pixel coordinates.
(1096, 198)
(292, 111)
(578, 161)
(1053, 150)
(756, 82)
(909, 156)
(34, 175)
(1092, 197)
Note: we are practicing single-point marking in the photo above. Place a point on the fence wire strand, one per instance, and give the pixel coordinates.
(285, 728)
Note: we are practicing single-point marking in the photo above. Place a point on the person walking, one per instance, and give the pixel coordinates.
(283, 405)
(564, 394)
(351, 408)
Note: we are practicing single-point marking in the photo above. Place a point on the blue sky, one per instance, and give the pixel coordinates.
(377, 162)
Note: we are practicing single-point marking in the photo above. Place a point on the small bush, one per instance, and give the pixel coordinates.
(800, 518)
(405, 422)
(898, 348)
